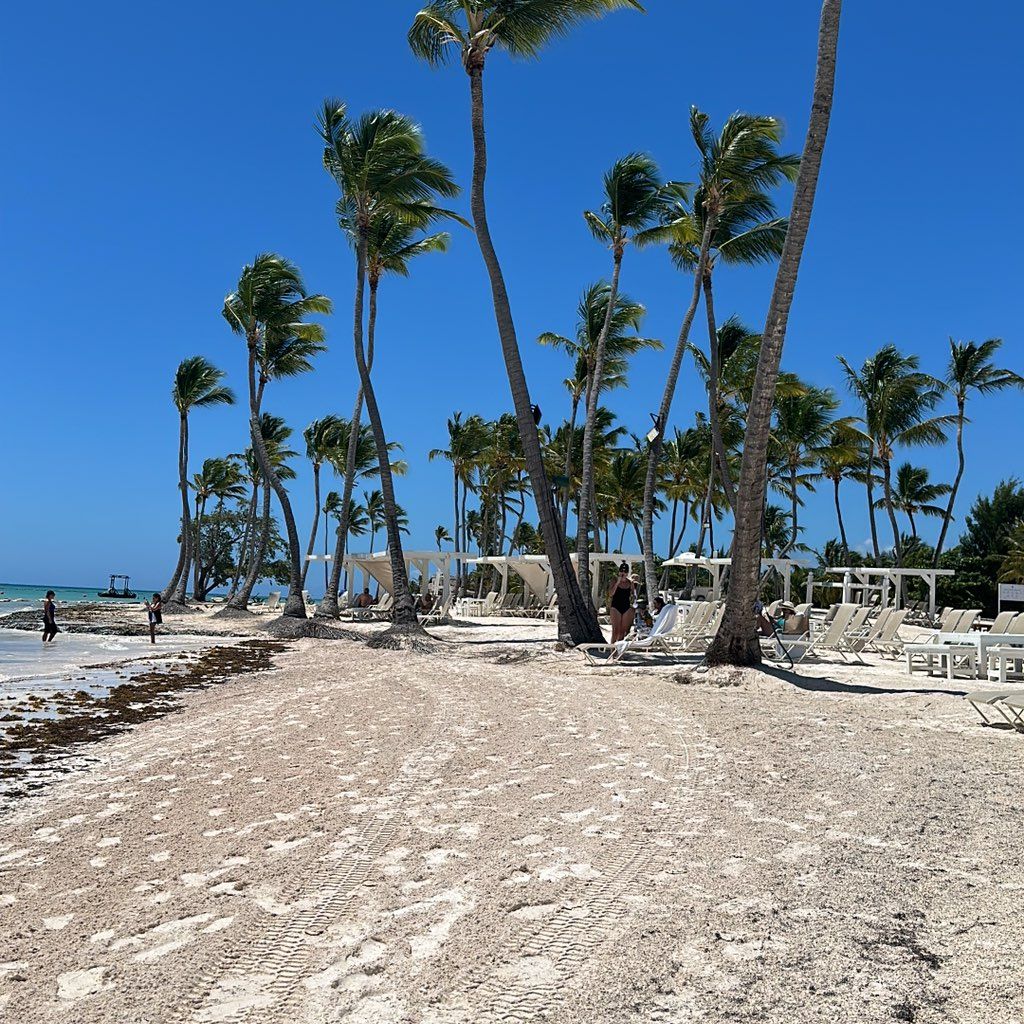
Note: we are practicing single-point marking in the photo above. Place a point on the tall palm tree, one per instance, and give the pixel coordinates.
(970, 369)
(323, 439)
(473, 28)
(220, 478)
(736, 642)
(373, 506)
(634, 198)
(737, 166)
(269, 309)
(804, 426)
(442, 536)
(380, 166)
(896, 397)
(197, 385)
(618, 323)
(736, 171)
(914, 494)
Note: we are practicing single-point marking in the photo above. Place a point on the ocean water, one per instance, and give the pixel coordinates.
(27, 665)
(19, 597)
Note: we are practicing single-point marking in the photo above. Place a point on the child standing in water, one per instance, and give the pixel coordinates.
(49, 617)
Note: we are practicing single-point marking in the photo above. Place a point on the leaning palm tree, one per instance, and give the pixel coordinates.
(473, 28)
(269, 309)
(380, 166)
(323, 439)
(737, 166)
(634, 198)
(970, 369)
(736, 642)
(843, 458)
(442, 536)
(618, 323)
(197, 385)
(914, 494)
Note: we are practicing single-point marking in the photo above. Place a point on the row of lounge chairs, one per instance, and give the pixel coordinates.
(676, 630)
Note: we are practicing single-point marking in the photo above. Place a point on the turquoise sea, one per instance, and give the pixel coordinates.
(16, 597)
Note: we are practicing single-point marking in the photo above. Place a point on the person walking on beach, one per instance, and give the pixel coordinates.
(154, 609)
(49, 617)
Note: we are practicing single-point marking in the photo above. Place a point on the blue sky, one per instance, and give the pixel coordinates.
(153, 150)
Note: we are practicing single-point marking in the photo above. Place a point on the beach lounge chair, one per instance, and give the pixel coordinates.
(993, 699)
(694, 624)
(550, 613)
(1001, 622)
(273, 601)
(437, 614)
(887, 638)
(654, 641)
(832, 638)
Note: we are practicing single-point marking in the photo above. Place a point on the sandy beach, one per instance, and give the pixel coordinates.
(495, 832)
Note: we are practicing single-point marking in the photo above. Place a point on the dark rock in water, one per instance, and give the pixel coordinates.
(287, 628)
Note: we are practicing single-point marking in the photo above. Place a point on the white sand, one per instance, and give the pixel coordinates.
(497, 833)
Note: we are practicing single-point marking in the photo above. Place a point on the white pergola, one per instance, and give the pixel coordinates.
(377, 566)
(865, 580)
(535, 571)
(716, 567)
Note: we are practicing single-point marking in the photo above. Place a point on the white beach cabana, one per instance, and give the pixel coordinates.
(716, 568)
(859, 583)
(376, 566)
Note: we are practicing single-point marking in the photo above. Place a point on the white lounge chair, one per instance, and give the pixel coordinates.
(1001, 622)
(832, 638)
(273, 601)
(655, 640)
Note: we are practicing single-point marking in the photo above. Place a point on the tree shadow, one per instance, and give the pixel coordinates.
(823, 684)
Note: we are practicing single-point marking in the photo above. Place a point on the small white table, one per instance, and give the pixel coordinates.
(981, 643)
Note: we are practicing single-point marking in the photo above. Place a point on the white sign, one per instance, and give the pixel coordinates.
(1011, 592)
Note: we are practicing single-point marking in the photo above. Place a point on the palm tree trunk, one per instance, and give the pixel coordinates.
(567, 472)
(328, 607)
(587, 505)
(839, 519)
(654, 452)
(178, 597)
(171, 587)
(404, 615)
(316, 520)
(672, 531)
(243, 548)
(577, 620)
(241, 599)
(197, 552)
(794, 513)
(869, 483)
(890, 510)
(455, 529)
(913, 525)
(714, 376)
(948, 517)
(736, 642)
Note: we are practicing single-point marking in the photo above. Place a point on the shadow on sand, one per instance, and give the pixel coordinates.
(822, 684)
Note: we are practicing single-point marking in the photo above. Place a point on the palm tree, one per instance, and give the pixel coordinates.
(970, 369)
(473, 28)
(843, 457)
(323, 439)
(737, 169)
(634, 197)
(220, 478)
(269, 309)
(274, 435)
(619, 325)
(913, 494)
(736, 642)
(804, 426)
(384, 174)
(896, 396)
(1012, 568)
(197, 385)
(373, 506)
(442, 536)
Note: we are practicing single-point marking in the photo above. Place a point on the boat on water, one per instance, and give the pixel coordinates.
(114, 590)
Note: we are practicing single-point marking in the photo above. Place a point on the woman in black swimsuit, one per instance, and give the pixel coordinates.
(620, 604)
(49, 618)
